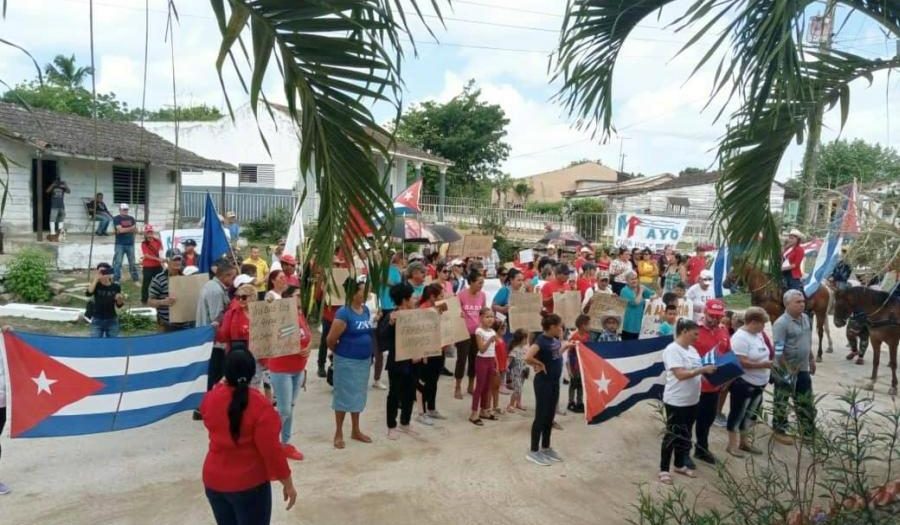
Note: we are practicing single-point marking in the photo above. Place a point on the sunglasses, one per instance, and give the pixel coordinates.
(242, 297)
(445, 271)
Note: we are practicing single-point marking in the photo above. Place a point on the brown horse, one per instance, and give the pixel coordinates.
(882, 316)
(767, 292)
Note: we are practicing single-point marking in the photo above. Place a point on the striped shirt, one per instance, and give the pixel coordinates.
(159, 289)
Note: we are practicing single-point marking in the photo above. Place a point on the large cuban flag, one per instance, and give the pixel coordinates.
(64, 386)
(616, 376)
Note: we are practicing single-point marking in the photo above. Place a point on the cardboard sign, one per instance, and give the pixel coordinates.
(274, 330)
(567, 305)
(525, 312)
(605, 305)
(186, 291)
(417, 333)
(334, 286)
(477, 245)
(453, 326)
(526, 256)
(654, 314)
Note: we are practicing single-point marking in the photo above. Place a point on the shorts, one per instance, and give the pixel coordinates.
(57, 214)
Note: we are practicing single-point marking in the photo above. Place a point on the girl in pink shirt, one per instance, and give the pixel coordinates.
(472, 300)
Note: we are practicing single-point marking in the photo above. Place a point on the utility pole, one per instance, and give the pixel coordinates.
(622, 140)
(811, 155)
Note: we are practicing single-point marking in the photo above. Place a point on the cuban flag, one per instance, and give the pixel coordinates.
(67, 386)
(720, 268)
(616, 376)
(407, 202)
(845, 221)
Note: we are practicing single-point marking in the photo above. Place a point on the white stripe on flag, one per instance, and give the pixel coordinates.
(627, 365)
(150, 397)
(641, 388)
(115, 366)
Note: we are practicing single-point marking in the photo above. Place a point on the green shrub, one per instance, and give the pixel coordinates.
(29, 276)
(555, 208)
(269, 228)
(588, 218)
(129, 322)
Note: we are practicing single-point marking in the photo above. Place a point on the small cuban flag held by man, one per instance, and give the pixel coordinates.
(727, 366)
(67, 386)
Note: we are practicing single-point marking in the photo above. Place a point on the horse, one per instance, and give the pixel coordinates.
(881, 313)
(767, 292)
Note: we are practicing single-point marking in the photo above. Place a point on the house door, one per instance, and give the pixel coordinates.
(48, 175)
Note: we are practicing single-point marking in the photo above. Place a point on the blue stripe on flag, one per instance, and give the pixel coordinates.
(55, 426)
(720, 269)
(655, 392)
(157, 379)
(632, 348)
(67, 346)
(825, 262)
(654, 370)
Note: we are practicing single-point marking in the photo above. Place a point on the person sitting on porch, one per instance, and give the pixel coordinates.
(100, 213)
(57, 191)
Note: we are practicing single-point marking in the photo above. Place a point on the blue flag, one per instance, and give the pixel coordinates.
(215, 244)
(721, 267)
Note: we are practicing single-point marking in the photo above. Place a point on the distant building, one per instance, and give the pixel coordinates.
(551, 186)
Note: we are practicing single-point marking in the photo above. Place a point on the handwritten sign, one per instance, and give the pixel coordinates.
(334, 287)
(186, 291)
(453, 327)
(654, 316)
(274, 330)
(567, 305)
(525, 311)
(605, 305)
(526, 256)
(417, 333)
(477, 245)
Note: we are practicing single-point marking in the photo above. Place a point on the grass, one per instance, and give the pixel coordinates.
(738, 301)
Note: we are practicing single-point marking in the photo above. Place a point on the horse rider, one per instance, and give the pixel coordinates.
(792, 261)
(841, 273)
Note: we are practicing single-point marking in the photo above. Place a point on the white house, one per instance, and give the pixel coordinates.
(120, 160)
(238, 142)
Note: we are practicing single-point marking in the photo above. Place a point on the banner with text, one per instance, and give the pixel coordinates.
(640, 231)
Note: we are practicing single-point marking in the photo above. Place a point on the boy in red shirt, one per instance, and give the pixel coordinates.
(559, 283)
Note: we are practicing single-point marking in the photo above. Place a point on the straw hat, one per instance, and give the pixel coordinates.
(796, 233)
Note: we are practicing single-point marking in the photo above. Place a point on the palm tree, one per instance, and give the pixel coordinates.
(523, 191)
(777, 83)
(62, 72)
(502, 184)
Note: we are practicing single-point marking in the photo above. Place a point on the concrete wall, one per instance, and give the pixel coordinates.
(79, 175)
(702, 200)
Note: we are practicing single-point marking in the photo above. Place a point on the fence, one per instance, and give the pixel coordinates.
(248, 205)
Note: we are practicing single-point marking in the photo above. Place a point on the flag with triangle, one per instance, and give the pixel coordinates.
(407, 202)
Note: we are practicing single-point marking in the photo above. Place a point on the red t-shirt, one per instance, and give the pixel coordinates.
(500, 354)
(294, 363)
(708, 339)
(603, 264)
(795, 256)
(695, 265)
(256, 458)
(550, 287)
(152, 248)
(579, 262)
(584, 284)
(189, 259)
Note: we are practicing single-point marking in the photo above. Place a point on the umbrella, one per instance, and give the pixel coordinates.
(409, 229)
(445, 233)
(561, 238)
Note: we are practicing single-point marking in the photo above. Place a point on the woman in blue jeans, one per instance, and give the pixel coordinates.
(107, 297)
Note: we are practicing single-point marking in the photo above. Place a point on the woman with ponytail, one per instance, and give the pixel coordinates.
(245, 452)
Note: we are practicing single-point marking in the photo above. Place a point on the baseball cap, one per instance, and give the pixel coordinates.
(123, 206)
(173, 253)
(714, 308)
(230, 214)
(602, 275)
(415, 256)
(189, 242)
(288, 259)
(241, 280)
(706, 274)
(563, 269)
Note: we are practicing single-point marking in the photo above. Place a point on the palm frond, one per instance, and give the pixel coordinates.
(755, 143)
(336, 59)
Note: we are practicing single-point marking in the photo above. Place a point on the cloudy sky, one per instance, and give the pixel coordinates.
(503, 44)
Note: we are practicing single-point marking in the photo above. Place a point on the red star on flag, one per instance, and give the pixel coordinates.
(40, 385)
(602, 382)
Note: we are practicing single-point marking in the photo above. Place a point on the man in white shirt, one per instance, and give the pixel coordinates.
(701, 292)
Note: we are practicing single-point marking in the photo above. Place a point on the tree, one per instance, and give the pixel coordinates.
(583, 161)
(64, 99)
(776, 83)
(63, 72)
(840, 162)
(199, 113)
(465, 130)
(691, 171)
(523, 190)
(502, 184)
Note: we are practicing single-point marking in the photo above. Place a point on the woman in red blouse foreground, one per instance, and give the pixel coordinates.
(245, 452)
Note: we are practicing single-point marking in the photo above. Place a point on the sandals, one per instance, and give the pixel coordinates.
(735, 453)
(860, 360)
(489, 416)
(851, 355)
(751, 449)
(665, 478)
(477, 422)
(457, 394)
(338, 443)
(684, 471)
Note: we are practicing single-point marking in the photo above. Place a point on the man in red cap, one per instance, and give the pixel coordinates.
(712, 338)
(289, 267)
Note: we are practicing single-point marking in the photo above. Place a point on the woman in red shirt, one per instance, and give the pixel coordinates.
(151, 262)
(244, 453)
(792, 264)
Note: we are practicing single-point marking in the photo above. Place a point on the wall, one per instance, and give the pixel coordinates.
(702, 200)
(79, 175)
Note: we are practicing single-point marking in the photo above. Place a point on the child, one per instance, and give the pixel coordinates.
(518, 348)
(485, 367)
(576, 392)
(728, 321)
(670, 298)
(545, 356)
(680, 290)
(610, 333)
(670, 317)
(502, 365)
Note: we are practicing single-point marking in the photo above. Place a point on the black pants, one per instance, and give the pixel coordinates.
(465, 358)
(428, 381)
(148, 275)
(576, 394)
(677, 438)
(706, 415)
(248, 507)
(746, 400)
(801, 391)
(2, 424)
(401, 396)
(546, 396)
(216, 370)
(627, 336)
(858, 337)
(323, 345)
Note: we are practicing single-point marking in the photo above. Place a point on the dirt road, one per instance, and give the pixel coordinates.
(453, 473)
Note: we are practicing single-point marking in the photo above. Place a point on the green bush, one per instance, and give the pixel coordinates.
(29, 276)
(555, 208)
(586, 215)
(129, 322)
(269, 228)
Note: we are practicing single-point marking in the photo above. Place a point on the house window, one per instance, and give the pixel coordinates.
(677, 205)
(257, 175)
(129, 185)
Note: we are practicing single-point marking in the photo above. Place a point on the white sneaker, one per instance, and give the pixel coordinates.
(721, 421)
(425, 420)
(4, 489)
(434, 414)
(378, 385)
(551, 454)
(537, 458)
